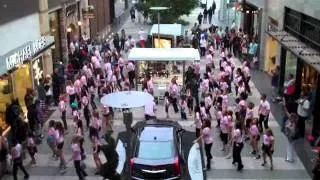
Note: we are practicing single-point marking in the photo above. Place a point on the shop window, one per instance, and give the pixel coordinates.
(291, 64)
(5, 98)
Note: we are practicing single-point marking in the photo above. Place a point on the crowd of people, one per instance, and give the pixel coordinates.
(97, 69)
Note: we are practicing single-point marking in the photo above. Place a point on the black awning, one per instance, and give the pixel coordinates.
(298, 48)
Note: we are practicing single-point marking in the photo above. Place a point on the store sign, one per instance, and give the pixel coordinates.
(25, 53)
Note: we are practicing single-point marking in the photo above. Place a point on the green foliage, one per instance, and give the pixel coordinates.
(177, 9)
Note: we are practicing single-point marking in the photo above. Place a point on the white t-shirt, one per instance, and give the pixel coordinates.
(303, 108)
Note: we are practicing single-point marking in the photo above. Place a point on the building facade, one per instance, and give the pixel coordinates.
(290, 38)
(65, 24)
(25, 55)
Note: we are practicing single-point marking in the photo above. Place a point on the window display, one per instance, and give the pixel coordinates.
(163, 43)
(5, 98)
(291, 64)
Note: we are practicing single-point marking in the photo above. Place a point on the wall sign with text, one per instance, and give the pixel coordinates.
(18, 56)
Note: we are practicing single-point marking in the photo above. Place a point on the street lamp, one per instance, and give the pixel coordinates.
(158, 9)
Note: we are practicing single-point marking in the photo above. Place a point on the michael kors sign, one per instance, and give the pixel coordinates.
(25, 53)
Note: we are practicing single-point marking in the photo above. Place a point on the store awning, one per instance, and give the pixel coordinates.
(297, 47)
(164, 54)
(167, 29)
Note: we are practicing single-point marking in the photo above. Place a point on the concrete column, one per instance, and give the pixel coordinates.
(45, 31)
(63, 34)
(263, 36)
(86, 22)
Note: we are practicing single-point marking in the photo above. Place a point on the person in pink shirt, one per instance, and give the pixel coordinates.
(183, 108)
(86, 111)
(95, 125)
(76, 157)
(150, 86)
(209, 60)
(174, 94)
(60, 143)
(248, 118)
(247, 77)
(63, 110)
(254, 137)
(204, 86)
(83, 81)
(131, 73)
(70, 89)
(207, 137)
(197, 121)
(225, 100)
(224, 127)
(204, 116)
(264, 110)
(121, 64)
(208, 103)
(237, 146)
(77, 87)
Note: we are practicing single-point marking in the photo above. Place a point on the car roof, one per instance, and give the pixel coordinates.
(151, 133)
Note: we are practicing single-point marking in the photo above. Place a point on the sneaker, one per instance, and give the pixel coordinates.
(263, 164)
(253, 152)
(258, 157)
(240, 167)
(271, 168)
(26, 176)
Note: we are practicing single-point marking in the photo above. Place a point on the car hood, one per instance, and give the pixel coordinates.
(154, 162)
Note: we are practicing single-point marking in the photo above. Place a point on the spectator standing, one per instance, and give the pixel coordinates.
(264, 110)
(303, 113)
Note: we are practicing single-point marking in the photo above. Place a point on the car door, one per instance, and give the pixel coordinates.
(180, 145)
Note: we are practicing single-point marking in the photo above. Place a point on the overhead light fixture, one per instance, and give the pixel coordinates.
(69, 29)
(79, 23)
(247, 11)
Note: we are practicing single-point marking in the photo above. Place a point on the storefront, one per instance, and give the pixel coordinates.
(300, 56)
(272, 46)
(20, 69)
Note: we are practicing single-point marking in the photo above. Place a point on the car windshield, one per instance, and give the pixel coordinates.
(155, 150)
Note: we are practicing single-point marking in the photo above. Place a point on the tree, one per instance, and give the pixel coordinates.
(177, 9)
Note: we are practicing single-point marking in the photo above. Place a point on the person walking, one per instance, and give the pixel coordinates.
(200, 16)
(275, 82)
(264, 110)
(16, 153)
(205, 15)
(237, 146)
(303, 113)
(268, 147)
(60, 143)
(207, 138)
(76, 157)
(123, 38)
(210, 13)
(214, 6)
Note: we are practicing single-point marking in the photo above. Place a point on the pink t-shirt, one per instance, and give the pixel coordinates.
(207, 135)
(237, 136)
(254, 131)
(224, 124)
(62, 106)
(174, 90)
(208, 101)
(70, 90)
(83, 80)
(76, 152)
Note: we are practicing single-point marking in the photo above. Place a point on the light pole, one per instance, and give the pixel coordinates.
(158, 9)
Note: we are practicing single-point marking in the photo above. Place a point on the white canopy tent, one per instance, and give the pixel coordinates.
(164, 54)
(167, 29)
